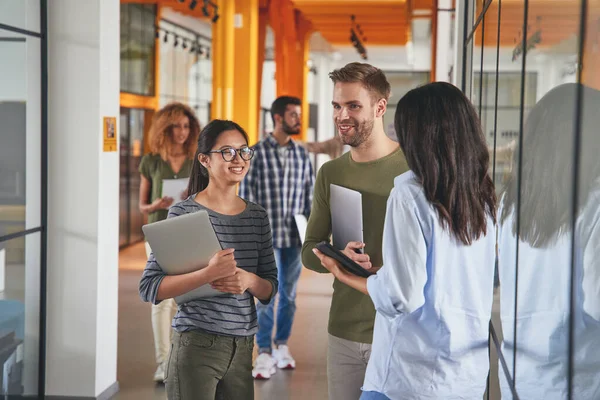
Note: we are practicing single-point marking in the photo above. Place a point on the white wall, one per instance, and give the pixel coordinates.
(182, 65)
(83, 199)
(268, 91)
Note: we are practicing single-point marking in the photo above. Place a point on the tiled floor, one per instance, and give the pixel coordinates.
(308, 343)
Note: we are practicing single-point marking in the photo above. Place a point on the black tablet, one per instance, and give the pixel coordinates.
(344, 261)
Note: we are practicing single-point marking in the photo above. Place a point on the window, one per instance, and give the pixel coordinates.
(138, 48)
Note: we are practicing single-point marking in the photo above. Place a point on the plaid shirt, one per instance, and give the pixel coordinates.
(283, 192)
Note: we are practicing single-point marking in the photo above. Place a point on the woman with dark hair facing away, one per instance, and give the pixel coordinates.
(433, 295)
(211, 349)
(173, 135)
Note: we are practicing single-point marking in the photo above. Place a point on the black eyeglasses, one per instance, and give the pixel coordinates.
(229, 154)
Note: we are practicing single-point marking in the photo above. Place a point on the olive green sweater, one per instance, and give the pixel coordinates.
(352, 313)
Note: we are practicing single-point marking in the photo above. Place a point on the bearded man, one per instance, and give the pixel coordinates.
(360, 96)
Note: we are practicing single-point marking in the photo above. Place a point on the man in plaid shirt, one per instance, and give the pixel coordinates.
(281, 180)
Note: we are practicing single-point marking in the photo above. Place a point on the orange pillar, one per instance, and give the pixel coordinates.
(263, 19)
(291, 32)
(223, 42)
(304, 30)
(246, 67)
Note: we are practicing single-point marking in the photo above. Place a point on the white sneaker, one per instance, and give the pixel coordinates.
(264, 366)
(159, 375)
(284, 357)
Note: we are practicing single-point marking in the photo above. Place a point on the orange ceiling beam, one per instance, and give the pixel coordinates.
(351, 3)
(556, 20)
(383, 22)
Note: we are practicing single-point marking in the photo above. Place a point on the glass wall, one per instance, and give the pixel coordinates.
(22, 196)
(401, 82)
(138, 48)
(532, 72)
(134, 122)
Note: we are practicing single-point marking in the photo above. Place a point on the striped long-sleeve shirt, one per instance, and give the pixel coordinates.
(249, 233)
(283, 185)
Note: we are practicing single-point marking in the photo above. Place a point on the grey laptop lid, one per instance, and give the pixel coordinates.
(346, 216)
(184, 244)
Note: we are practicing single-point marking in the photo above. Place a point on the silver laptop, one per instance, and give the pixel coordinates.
(182, 245)
(346, 216)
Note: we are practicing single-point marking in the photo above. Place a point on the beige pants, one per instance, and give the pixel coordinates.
(346, 367)
(162, 315)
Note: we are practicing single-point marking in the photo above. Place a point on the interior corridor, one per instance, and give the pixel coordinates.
(308, 342)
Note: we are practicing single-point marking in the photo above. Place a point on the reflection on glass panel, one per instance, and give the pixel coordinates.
(545, 240)
(501, 115)
(401, 83)
(138, 48)
(479, 64)
(536, 216)
(123, 178)
(19, 314)
(20, 136)
(136, 138)
(22, 14)
(586, 356)
(134, 122)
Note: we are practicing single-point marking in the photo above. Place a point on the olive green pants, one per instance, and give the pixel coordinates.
(204, 366)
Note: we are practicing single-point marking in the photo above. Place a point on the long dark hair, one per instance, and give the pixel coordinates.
(548, 163)
(440, 134)
(206, 141)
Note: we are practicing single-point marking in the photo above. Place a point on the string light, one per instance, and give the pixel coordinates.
(205, 8)
(191, 45)
(355, 38)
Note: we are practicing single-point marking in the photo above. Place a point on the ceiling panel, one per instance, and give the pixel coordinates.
(382, 22)
(555, 20)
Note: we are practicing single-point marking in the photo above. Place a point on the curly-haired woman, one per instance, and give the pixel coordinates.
(173, 136)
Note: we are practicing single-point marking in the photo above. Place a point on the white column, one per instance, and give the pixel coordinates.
(83, 198)
(324, 96)
(444, 46)
(460, 48)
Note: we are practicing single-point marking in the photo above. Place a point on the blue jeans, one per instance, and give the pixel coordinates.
(373, 396)
(289, 266)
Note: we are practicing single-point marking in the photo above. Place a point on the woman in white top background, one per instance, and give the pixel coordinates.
(549, 251)
(434, 293)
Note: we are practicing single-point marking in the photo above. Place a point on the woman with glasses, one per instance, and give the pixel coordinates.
(173, 134)
(211, 349)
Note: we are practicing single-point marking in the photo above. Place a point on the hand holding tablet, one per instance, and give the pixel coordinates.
(345, 262)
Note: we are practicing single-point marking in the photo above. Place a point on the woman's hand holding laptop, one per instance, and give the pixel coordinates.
(221, 265)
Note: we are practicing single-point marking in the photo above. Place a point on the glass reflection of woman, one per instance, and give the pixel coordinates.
(173, 137)
(434, 293)
(543, 243)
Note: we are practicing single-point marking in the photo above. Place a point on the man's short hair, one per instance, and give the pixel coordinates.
(280, 105)
(372, 78)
